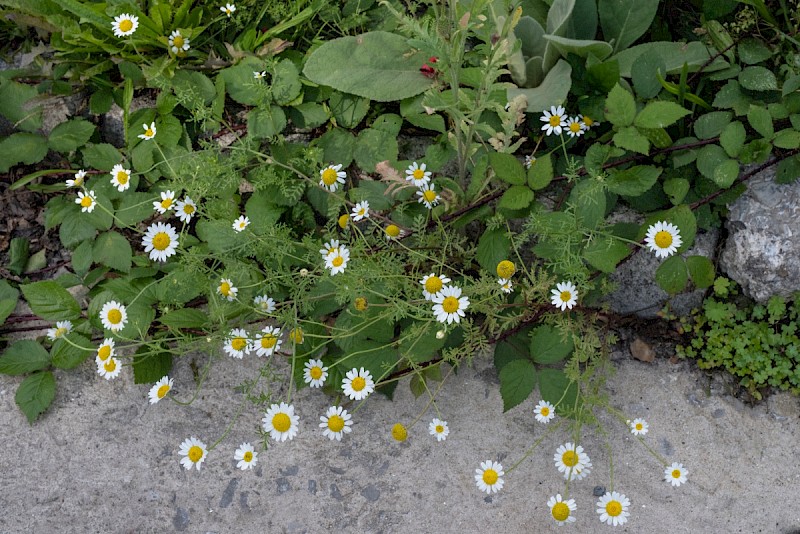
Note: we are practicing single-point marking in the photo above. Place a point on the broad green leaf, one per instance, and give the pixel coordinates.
(708, 158)
(629, 138)
(374, 146)
(517, 380)
(553, 90)
(516, 197)
(758, 79)
(580, 47)
(712, 124)
(66, 355)
(70, 135)
(645, 72)
(75, 229)
(240, 83)
(308, 115)
(180, 286)
(788, 138)
(101, 156)
(761, 121)
(671, 276)
(752, 51)
(507, 168)
(694, 54)
(19, 249)
(134, 207)
(381, 66)
(267, 121)
(22, 357)
(16, 105)
(493, 247)
(337, 146)
(726, 173)
(50, 301)
(113, 250)
(150, 365)
(373, 192)
(547, 345)
(422, 347)
(82, 258)
(588, 199)
(184, 318)
(515, 347)
(620, 107)
(541, 173)
(633, 181)
(660, 114)
(557, 389)
(27, 148)
(684, 218)
(285, 82)
(791, 85)
(701, 269)
(624, 21)
(676, 189)
(263, 214)
(732, 138)
(35, 394)
(348, 110)
(597, 156)
(604, 253)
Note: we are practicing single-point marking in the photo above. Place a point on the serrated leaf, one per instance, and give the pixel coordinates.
(726, 173)
(732, 138)
(347, 110)
(337, 146)
(556, 388)
(71, 352)
(70, 135)
(15, 99)
(541, 173)
(374, 146)
(758, 79)
(50, 301)
(660, 114)
(134, 207)
(113, 250)
(708, 158)
(184, 318)
(671, 276)
(493, 247)
(620, 107)
(788, 170)
(516, 197)
(712, 124)
(515, 347)
(633, 181)
(701, 269)
(27, 148)
(604, 253)
(629, 138)
(35, 394)
(676, 189)
(101, 156)
(547, 345)
(22, 357)
(150, 365)
(267, 121)
(507, 168)
(761, 121)
(517, 380)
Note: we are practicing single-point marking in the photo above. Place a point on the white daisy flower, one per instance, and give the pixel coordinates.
(564, 296)
(120, 177)
(281, 422)
(613, 508)
(109, 368)
(237, 343)
(125, 24)
(361, 211)
(676, 474)
(259, 75)
(78, 179)
(149, 131)
(165, 204)
(544, 411)
(329, 248)
(336, 422)
(417, 175)
(489, 477)
(529, 161)
(506, 285)
(432, 284)
(62, 328)
(160, 389)
(449, 305)
(588, 121)
(428, 196)
(246, 455)
(194, 452)
(264, 303)
(357, 384)
(561, 510)
(268, 341)
(572, 461)
(575, 127)
(106, 349)
(185, 209)
(331, 176)
(315, 373)
(113, 316)
(438, 428)
(228, 9)
(160, 240)
(663, 238)
(639, 427)
(241, 223)
(227, 289)
(177, 42)
(554, 120)
(86, 201)
(337, 261)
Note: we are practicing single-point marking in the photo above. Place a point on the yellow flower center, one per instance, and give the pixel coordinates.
(358, 383)
(329, 176)
(126, 25)
(439, 429)
(555, 120)
(433, 284)
(104, 352)
(195, 453)
(248, 457)
(490, 477)
(110, 366)
(429, 195)
(149, 133)
(588, 121)
(614, 508)
(663, 239)
(268, 341)
(188, 209)
(392, 230)
(560, 511)
(86, 202)
(569, 458)
(676, 473)
(639, 426)
(343, 221)
(418, 174)
(166, 203)
(122, 177)
(361, 304)
(335, 423)
(238, 343)
(338, 261)
(565, 296)
(399, 432)
(161, 241)
(225, 288)
(281, 422)
(114, 316)
(545, 411)
(60, 332)
(362, 211)
(162, 391)
(575, 127)
(450, 304)
(297, 335)
(315, 372)
(78, 181)
(177, 41)
(506, 269)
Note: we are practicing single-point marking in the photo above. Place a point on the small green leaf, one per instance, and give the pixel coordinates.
(15, 105)
(660, 114)
(348, 110)
(150, 364)
(701, 269)
(507, 168)
(267, 121)
(493, 247)
(758, 79)
(50, 301)
(726, 173)
(671, 276)
(752, 51)
(70, 135)
(23, 357)
(547, 345)
(676, 189)
(517, 380)
(620, 107)
(788, 138)
(35, 394)
(633, 181)
(708, 158)
(712, 124)
(113, 250)
(761, 121)
(516, 197)
(18, 252)
(66, 355)
(732, 138)
(629, 138)
(541, 173)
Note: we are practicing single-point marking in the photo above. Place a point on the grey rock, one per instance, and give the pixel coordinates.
(181, 519)
(762, 252)
(371, 493)
(111, 125)
(283, 485)
(227, 495)
(58, 109)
